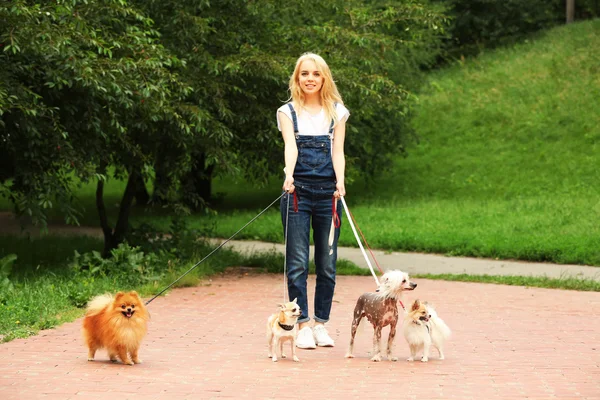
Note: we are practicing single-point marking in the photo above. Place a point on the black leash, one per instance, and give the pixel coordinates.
(221, 245)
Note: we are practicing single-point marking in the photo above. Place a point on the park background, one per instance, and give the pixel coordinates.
(474, 132)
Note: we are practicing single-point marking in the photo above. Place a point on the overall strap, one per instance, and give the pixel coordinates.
(294, 118)
(332, 123)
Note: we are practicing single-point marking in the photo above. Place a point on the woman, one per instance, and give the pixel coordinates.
(313, 126)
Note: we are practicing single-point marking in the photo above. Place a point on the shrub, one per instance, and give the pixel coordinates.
(478, 24)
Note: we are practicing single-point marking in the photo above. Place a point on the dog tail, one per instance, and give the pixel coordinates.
(438, 324)
(270, 322)
(98, 303)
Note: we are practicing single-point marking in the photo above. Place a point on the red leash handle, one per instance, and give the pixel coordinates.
(336, 217)
(295, 202)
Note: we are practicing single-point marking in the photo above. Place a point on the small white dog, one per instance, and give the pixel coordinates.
(281, 327)
(423, 328)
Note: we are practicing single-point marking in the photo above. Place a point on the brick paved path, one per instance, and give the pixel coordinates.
(209, 342)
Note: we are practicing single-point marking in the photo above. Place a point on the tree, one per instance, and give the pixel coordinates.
(85, 86)
(570, 11)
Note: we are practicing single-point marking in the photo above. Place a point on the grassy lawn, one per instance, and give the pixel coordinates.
(567, 283)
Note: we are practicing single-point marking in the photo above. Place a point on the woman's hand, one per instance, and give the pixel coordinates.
(288, 184)
(341, 190)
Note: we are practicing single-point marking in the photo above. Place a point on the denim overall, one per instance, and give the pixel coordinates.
(314, 179)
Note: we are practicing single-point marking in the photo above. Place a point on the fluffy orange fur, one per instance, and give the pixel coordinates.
(117, 324)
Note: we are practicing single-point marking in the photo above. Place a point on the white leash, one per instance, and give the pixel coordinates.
(358, 240)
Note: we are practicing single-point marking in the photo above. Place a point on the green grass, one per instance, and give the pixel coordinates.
(568, 283)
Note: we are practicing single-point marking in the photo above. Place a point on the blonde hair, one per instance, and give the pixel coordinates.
(329, 92)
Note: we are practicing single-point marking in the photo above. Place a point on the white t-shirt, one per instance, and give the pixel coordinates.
(312, 125)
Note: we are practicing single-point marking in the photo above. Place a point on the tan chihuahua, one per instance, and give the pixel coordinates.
(281, 327)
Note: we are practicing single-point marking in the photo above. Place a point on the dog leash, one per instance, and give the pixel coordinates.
(287, 215)
(215, 250)
(366, 243)
(350, 220)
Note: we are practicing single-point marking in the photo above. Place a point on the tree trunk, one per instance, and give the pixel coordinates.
(161, 183)
(202, 177)
(112, 238)
(198, 183)
(106, 229)
(125, 208)
(141, 192)
(570, 11)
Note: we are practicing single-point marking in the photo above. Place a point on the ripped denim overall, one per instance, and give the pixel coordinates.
(314, 179)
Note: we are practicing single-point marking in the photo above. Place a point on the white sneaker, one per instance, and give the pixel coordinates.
(305, 339)
(322, 337)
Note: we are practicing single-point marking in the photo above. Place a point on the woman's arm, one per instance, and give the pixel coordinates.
(339, 160)
(290, 152)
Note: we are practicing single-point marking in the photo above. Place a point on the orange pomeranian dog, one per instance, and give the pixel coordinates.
(117, 324)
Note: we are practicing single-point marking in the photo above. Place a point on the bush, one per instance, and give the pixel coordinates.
(479, 24)
(6, 264)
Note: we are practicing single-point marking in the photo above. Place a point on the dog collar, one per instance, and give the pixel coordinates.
(286, 327)
(426, 326)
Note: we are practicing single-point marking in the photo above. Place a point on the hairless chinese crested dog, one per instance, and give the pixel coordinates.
(381, 309)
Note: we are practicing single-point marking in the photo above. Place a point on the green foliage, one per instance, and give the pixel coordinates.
(239, 68)
(479, 24)
(6, 265)
(176, 239)
(83, 85)
(487, 23)
(50, 252)
(127, 264)
(587, 9)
